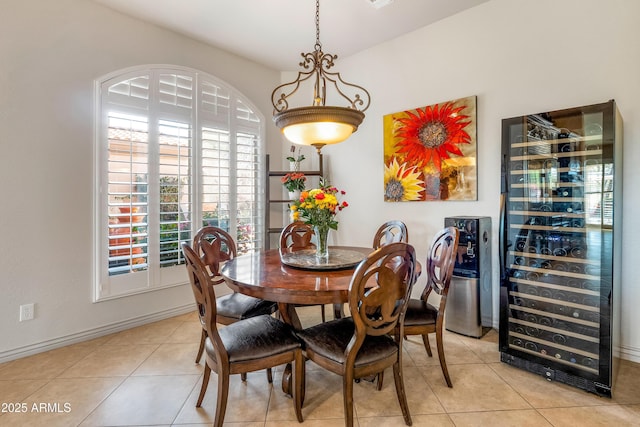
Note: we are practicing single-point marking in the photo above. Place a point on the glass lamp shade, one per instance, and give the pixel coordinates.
(318, 125)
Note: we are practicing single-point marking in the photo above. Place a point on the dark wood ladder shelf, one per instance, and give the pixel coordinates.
(269, 230)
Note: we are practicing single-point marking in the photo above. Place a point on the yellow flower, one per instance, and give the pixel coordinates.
(401, 183)
(319, 206)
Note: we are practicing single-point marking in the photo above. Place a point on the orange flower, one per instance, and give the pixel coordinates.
(431, 134)
(294, 181)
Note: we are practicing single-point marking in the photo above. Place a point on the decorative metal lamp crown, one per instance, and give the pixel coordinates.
(318, 124)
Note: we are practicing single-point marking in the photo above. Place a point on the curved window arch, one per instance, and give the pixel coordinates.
(175, 149)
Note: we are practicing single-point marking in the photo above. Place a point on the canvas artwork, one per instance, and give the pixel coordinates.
(430, 153)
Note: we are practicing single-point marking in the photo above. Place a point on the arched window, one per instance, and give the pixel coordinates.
(175, 149)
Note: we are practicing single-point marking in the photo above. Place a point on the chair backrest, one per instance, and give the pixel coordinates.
(204, 293)
(296, 236)
(440, 263)
(390, 232)
(379, 291)
(214, 246)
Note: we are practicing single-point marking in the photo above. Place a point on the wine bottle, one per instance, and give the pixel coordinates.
(577, 252)
(559, 252)
(546, 293)
(560, 266)
(575, 268)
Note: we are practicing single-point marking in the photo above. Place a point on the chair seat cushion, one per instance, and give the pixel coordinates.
(420, 313)
(255, 338)
(239, 306)
(330, 340)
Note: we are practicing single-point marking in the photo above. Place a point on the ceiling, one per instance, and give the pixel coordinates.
(275, 32)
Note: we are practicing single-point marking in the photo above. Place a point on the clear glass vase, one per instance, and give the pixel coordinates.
(322, 242)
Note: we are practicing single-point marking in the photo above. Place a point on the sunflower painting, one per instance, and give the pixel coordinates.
(430, 152)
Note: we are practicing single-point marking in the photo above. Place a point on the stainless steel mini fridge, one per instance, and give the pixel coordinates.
(560, 244)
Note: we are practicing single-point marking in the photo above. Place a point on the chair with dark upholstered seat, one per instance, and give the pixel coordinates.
(248, 345)
(391, 232)
(299, 236)
(422, 317)
(215, 246)
(362, 345)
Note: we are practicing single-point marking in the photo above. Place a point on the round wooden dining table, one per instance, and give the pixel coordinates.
(262, 274)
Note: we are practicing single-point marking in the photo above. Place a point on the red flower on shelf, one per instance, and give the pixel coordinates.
(294, 181)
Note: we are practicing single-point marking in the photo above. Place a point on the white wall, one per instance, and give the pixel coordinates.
(50, 54)
(518, 57)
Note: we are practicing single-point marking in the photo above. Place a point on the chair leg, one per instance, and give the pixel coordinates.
(269, 376)
(347, 390)
(203, 336)
(205, 383)
(298, 380)
(380, 380)
(402, 396)
(322, 313)
(443, 362)
(427, 346)
(338, 311)
(223, 394)
(243, 376)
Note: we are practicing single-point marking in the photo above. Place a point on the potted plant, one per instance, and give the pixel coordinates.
(294, 183)
(294, 161)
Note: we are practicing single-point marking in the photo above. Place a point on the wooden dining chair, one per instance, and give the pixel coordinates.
(422, 317)
(299, 236)
(390, 232)
(362, 344)
(214, 247)
(248, 345)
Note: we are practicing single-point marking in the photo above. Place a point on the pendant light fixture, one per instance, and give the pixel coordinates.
(318, 124)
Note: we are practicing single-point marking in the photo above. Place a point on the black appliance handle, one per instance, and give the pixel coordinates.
(502, 238)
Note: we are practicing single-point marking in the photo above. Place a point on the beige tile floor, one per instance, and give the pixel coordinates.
(147, 376)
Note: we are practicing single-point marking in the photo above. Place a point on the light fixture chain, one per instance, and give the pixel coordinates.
(318, 45)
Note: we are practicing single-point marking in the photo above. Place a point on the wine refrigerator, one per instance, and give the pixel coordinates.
(560, 245)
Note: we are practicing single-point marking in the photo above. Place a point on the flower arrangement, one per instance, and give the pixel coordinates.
(319, 207)
(294, 181)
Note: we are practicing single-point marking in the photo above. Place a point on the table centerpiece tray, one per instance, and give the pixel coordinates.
(306, 259)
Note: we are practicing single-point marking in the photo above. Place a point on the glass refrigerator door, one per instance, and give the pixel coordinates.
(558, 222)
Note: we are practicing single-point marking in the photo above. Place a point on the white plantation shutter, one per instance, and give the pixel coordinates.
(247, 192)
(177, 149)
(248, 172)
(216, 171)
(127, 192)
